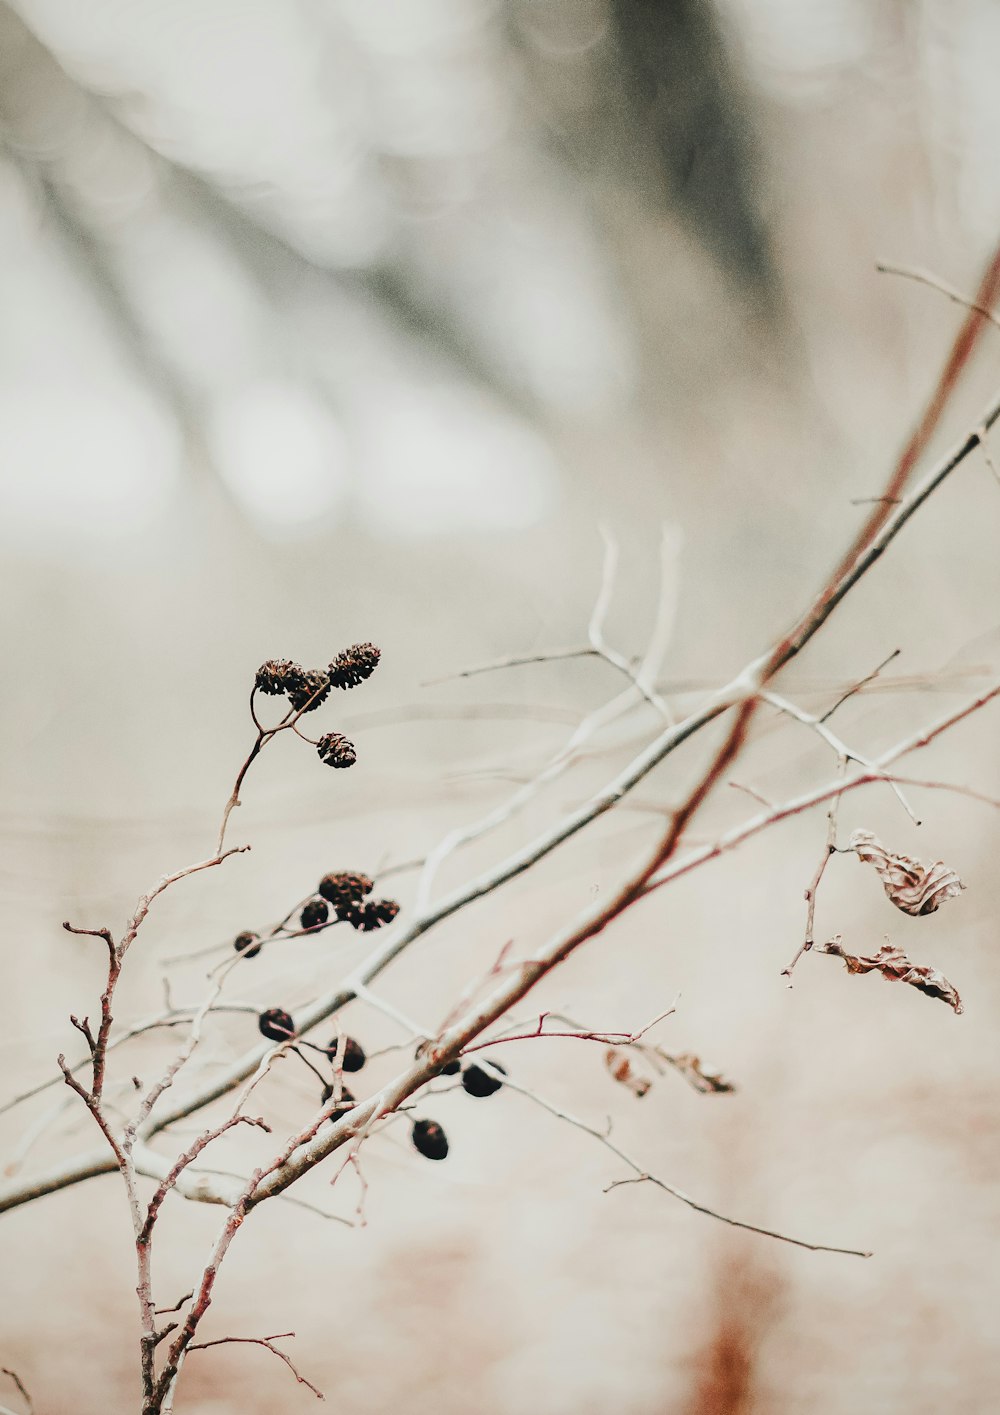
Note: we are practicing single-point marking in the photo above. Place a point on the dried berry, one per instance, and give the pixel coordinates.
(278, 675)
(336, 750)
(366, 917)
(479, 1082)
(315, 913)
(344, 887)
(247, 943)
(354, 665)
(311, 689)
(354, 1053)
(429, 1138)
(276, 1024)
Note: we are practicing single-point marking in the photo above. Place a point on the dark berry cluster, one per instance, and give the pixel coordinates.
(368, 916)
(340, 898)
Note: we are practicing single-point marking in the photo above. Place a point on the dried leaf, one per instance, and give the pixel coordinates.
(894, 966)
(619, 1063)
(702, 1077)
(913, 887)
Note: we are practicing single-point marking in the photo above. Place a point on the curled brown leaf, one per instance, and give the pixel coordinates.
(622, 1068)
(913, 887)
(698, 1073)
(895, 967)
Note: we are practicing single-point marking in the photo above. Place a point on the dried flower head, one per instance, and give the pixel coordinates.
(311, 689)
(315, 913)
(354, 1053)
(276, 1024)
(335, 750)
(354, 665)
(429, 1139)
(278, 675)
(344, 887)
(247, 943)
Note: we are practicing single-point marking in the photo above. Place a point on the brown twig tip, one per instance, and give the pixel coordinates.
(336, 750)
(354, 665)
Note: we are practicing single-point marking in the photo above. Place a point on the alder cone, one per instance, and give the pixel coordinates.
(344, 887)
(429, 1139)
(315, 913)
(354, 1053)
(479, 1082)
(336, 750)
(276, 1024)
(247, 943)
(354, 665)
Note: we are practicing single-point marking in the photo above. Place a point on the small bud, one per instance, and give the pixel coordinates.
(276, 1024)
(315, 913)
(354, 1053)
(479, 1082)
(354, 665)
(429, 1138)
(247, 943)
(344, 887)
(310, 690)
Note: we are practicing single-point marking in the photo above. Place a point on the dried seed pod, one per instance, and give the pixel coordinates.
(354, 1053)
(276, 1024)
(315, 913)
(480, 1082)
(429, 1139)
(336, 750)
(354, 665)
(278, 675)
(311, 689)
(913, 887)
(247, 943)
(344, 887)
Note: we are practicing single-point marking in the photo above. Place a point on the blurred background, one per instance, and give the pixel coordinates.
(327, 321)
